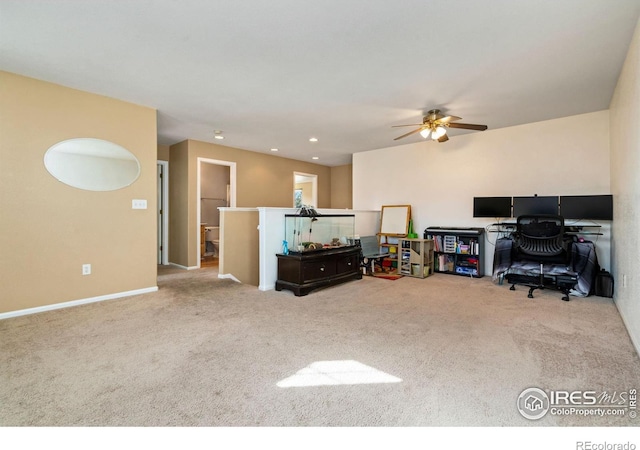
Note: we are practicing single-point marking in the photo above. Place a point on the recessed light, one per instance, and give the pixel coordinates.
(315, 157)
(313, 139)
(274, 149)
(217, 136)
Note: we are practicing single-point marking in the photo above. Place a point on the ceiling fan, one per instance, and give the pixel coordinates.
(436, 124)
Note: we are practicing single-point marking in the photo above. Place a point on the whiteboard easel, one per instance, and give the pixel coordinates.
(394, 221)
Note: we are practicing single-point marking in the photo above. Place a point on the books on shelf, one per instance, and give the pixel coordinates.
(445, 263)
(450, 244)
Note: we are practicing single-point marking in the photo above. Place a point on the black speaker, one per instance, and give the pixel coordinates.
(604, 284)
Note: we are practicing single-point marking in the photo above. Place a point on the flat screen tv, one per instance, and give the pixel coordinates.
(534, 205)
(492, 207)
(588, 207)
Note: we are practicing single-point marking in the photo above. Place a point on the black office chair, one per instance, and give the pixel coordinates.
(540, 239)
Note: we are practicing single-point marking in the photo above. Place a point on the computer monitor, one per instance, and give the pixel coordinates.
(492, 207)
(587, 207)
(535, 205)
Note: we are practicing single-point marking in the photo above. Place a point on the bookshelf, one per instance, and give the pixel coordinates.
(457, 251)
(415, 257)
(390, 245)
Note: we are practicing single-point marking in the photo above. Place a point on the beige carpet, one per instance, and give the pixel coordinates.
(208, 352)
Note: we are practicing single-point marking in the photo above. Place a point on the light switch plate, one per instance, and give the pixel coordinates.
(138, 204)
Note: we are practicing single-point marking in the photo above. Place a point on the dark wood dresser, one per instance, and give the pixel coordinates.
(302, 272)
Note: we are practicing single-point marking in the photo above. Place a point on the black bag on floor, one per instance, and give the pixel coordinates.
(604, 284)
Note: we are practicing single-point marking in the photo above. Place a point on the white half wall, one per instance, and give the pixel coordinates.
(272, 231)
(567, 156)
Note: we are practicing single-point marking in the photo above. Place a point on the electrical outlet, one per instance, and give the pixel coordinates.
(86, 269)
(138, 204)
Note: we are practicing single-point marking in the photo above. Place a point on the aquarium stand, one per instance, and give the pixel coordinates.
(302, 272)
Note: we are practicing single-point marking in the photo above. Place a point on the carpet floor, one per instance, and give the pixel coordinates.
(203, 351)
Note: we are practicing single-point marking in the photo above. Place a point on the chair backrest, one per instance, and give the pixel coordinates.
(540, 234)
(370, 246)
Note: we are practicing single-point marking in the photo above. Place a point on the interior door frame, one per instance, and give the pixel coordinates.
(163, 218)
(232, 196)
(314, 187)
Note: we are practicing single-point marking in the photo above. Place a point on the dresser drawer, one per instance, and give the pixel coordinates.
(315, 270)
(347, 264)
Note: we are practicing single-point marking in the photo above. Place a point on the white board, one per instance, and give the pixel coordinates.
(394, 220)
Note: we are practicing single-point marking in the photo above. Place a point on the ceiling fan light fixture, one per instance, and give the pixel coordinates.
(438, 133)
(436, 124)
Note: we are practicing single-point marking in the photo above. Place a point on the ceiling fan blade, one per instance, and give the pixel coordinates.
(448, 119)
(408, 125)
(408, 134)
(443, 138)
(468, 126)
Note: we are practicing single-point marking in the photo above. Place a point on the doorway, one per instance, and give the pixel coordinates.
(216, 188)
(305, 189)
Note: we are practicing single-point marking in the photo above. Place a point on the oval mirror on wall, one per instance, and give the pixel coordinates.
(92, 164)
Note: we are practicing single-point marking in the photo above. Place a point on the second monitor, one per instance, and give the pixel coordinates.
(535, 205)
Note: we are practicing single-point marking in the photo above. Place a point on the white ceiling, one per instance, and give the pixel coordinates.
(272, 74)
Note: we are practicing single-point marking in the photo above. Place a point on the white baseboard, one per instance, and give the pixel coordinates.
(267, 287)
(180, 266)
(83, 301)
(228, 276)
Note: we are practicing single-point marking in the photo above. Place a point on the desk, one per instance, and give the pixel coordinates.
(569, 230)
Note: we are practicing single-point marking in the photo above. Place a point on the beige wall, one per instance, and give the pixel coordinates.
(181, 229)
(49, 229)
(163, 152)
(341, 187)
(625, 187)
(241, 250)
(262, 180)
